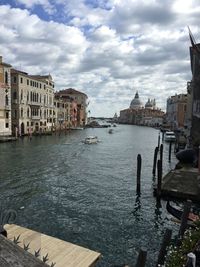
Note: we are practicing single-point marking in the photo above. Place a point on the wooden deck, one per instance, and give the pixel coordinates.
(62, 253)
(182, 183)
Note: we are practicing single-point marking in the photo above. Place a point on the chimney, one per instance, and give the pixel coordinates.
(1, 59)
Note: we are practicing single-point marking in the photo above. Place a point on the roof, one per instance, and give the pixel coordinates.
(71, 91)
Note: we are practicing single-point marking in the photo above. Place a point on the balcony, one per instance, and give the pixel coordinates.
(7, 107)
(31, 103)
(34, 117)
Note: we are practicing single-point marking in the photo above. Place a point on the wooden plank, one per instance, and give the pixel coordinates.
(60, 252)
(13, 255)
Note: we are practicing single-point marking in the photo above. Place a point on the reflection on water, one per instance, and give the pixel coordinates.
(87, 193)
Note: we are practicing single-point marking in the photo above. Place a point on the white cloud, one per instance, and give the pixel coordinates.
(108, 51)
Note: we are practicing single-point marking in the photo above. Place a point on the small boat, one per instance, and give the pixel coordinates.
(177, 213)
(110, 131)
(76, 128)
(91, 140)
(170, 137)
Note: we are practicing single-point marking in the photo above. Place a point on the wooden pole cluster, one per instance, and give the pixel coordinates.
(139, 165)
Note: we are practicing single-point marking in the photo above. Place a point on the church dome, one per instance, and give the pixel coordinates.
(136, 103)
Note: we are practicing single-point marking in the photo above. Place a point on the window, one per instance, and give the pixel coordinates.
(21, 80)
(22, 112)
(27, 123)
(7, 115)
(7, 125)
(6, 77)
(28, 113)
(14, 79)
(6, 100)
(27, 82)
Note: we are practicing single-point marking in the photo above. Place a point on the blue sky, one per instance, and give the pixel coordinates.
(107, 49)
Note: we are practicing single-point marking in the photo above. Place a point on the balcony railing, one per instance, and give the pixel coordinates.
(34, 117)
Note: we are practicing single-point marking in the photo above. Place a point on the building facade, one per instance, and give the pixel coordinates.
(65, 112)
(5, 98)
(177, 111)
(81, 101)
(32, 103)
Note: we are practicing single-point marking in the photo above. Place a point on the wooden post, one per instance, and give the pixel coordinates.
(139, 164)
(155, 161)
(199, 160)
(184, 218)
(141, 260)
(170, 151)
(164, 245)
(163, 136)
(159, 173)
(161, 157)
(159, 140)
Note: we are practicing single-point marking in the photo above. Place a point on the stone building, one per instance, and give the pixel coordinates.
(32, 103)
(65, 112)
(81, 100)
(139, 115)
(5, 98)
(176, 111)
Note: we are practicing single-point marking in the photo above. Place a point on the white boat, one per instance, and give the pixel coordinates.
(76, 128)
(170, 137)
(91, 140)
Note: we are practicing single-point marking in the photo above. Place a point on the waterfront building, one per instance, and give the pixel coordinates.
(139, 115)
(194, 92)
(5, 98)
(32, 103)
(65, 112)
(176, 111)
(81, 100)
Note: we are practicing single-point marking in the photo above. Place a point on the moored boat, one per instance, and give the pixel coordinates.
(170, 136)
(177, 213)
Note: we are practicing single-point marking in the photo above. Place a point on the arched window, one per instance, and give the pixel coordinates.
(22, 113)
(6, 77)
(28, 112)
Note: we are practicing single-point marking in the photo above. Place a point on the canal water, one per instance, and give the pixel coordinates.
(86, 194)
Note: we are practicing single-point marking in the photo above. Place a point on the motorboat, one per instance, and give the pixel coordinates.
(170, 136)
(91, 140)
(76, 128)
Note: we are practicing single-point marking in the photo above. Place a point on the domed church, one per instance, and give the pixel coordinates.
(136, 102)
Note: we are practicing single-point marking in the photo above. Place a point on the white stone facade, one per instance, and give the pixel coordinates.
(32, 103)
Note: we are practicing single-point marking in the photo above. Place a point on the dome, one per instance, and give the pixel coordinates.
(136, 103)
(149, 104)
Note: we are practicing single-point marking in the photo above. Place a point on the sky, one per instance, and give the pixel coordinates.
(108, 49)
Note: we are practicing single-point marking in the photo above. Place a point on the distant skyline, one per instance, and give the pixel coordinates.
(108, 49)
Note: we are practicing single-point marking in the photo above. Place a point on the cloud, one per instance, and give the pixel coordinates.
(108, 49)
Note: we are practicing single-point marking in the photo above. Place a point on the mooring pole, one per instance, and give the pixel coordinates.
(159, 173)
(161, 157)
(163, 248)
(155, 161)
(184, 218)
(141, 260)
(159, 140)
(170, 150)
(139, 164)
